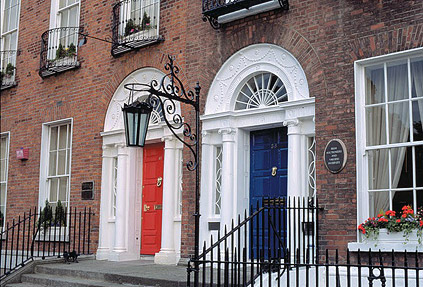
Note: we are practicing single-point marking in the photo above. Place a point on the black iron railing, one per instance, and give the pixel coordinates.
(34, 236)
(352, 269)
(275, 226)
(135, 24)
(8, 68)
(212, 9)
(59, 50)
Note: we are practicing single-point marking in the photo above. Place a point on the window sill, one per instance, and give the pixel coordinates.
(399, 246)
(8, 86)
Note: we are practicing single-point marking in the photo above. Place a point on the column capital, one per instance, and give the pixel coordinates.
(294, 126)
(121, 149)
(228, 134)
(205, 137)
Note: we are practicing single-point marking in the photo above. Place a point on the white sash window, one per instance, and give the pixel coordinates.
(4, 163)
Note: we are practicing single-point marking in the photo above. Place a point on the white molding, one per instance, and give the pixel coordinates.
(390, 57)
(248, 61)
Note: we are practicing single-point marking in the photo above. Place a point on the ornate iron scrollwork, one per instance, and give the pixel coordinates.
(164, 93)
(212, 20)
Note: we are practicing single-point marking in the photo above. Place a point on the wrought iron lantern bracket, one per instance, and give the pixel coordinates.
(164, 94)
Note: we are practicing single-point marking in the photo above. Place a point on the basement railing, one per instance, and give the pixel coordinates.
(273, 228)
(59, 50)
(213, 9)
(135, 24)
(8, 69)
(33, 236)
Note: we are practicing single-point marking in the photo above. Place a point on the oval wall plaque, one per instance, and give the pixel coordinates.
(335, 156)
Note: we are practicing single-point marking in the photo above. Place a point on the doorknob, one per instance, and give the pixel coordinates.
(159, 181)
(146, 208)
(274, 170)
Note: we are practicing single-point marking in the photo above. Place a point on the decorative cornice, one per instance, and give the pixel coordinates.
(291, 123)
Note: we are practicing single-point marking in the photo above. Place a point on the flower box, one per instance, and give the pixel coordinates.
(385, 236)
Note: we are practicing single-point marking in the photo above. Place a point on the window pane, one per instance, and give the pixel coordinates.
(73, 17)
(419, 165)
(397, 81)
(53, 190)
(67, 162)
(63, 136)
(3, 170)
(3, 194)
(61, 166)
(14, 17)
(378, 201)
(399, 127)
(378, 169)
(3, 148)
(63, 189)
(417, 78)
(375, 126)
(418, 120)
(62, 3)
(64, 18)
(402, 198)
(375, 85)
(53, 138)
(52, 164)
(402, 167)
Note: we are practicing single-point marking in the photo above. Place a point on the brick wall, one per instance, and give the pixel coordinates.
(326, 37)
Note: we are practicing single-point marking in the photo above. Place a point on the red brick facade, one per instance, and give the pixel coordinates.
(325, 36)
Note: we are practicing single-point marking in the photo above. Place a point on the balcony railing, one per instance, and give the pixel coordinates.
(213, 9)
(59, 50)
(135, 24)
(8, 69)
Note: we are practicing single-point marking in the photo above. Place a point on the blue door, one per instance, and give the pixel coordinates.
(268, 179)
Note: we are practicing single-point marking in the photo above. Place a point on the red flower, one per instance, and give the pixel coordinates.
(390, 213)
(380, 215)
(421, 223)
(398, 220)
(383, 219)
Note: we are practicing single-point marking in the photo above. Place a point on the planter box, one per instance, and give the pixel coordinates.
(393, 237)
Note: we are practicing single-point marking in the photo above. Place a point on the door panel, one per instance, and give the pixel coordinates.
(269, 152)
(152, 196)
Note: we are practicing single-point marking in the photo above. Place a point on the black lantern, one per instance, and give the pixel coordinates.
(136, 117)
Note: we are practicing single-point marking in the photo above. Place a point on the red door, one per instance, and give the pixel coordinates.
(152, 196)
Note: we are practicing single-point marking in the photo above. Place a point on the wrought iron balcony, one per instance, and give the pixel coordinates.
(135, 24)
(8, 69)
(213, 9)
(59, 50)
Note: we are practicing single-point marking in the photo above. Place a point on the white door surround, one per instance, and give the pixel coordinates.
(229, 129)
(120, 231)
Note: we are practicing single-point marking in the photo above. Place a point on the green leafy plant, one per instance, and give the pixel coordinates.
(131, 27)
(65, 52)
(46, 216)
(145, 23)
(407, 221)
(10, 69)
(60, 215)
(60, 52)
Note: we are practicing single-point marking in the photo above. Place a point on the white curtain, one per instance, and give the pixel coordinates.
(399, 129)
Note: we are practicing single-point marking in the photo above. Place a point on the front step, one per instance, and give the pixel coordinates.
(64, 281)
(92, 273)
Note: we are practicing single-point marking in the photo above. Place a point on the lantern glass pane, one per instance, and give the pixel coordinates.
(143, 128)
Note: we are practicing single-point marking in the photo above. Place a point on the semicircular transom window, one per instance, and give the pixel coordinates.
(261, 90)
(156, 116)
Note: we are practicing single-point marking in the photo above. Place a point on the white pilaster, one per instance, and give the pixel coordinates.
(120, 230)
(295, 166)
(227, 193)
(104, 241)
(167, 254)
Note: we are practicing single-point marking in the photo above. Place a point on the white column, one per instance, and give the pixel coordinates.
(105, 232)
(227, 194)
(120, 223)
(295, 164)
(167, 254)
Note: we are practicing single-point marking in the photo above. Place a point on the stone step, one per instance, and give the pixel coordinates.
(64, 281)
(24, 285)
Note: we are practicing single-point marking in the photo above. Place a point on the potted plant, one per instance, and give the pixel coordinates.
(46, 216)
(131, 28)
(405, 223)
(145, 23)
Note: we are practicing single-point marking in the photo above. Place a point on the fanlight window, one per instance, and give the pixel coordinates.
(261, 90)
(156, 116)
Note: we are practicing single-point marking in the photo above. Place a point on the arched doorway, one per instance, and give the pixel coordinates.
(141, 187)
(259, 116)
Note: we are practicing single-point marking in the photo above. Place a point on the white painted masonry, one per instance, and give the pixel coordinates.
(223, 126)
(120, 235)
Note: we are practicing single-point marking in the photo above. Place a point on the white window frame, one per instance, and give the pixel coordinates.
(7, 136)
(126, 8)
(6, 33)
(363, 199)
(44, 160)
(214, 202)
(55, 19)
